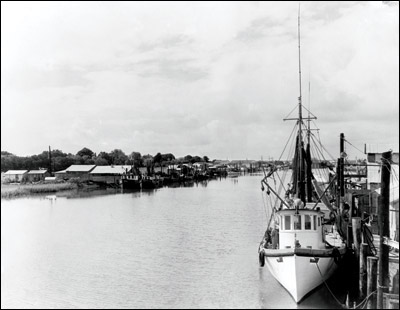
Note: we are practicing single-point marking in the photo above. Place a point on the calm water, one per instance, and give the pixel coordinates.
(185, 247)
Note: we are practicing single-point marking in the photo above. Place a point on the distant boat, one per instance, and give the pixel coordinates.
(130, 181)
(150, 182)
(298, 248)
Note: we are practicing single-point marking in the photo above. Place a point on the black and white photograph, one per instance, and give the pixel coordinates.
(200, 154)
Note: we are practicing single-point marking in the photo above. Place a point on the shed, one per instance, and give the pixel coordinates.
(60, 175)
(15, 175)
(76, 171)
(37, 175)
(109, 174)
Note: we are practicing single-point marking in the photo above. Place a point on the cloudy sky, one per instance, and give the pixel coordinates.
(204, 78)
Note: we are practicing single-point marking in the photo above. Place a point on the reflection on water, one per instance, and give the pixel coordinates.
(172, 247)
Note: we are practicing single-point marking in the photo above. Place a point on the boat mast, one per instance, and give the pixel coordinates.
(300, 178)
(308, 150)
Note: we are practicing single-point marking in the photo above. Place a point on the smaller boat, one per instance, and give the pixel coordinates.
(150, 182)
(130, 181)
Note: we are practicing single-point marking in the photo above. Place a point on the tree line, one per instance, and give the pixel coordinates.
(57, 160)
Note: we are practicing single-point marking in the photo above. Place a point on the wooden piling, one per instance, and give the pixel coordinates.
(363, 271)
(395, 281)
(372, 268)
(349, 240)
(356, 230)
(383, 220)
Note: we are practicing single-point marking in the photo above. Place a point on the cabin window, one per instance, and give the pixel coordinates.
(297, 222)
(307, 222)
(315, 222)
(287, 222)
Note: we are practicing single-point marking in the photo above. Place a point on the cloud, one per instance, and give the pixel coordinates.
(168, 42)
(212, 79)
(179, 69)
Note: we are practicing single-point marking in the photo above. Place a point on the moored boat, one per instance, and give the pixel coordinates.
(301, 247)
(130, 181)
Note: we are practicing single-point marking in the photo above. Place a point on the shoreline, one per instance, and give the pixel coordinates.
(11, 191)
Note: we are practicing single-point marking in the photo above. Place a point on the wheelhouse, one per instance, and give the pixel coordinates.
(301, 228)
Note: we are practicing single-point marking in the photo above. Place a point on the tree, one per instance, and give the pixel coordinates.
(100, 161)
(168, 157)
(136, 159)
(5, 153)
(157, 159)
(119, 157)
(85, 151)
(188, 158)
(196, 159)
(105, 157)
(206, 159)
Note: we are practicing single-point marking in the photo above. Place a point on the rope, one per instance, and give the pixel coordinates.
(265, 207)
(333, 295)
(365, 300)
(354, 146)
(287, 142)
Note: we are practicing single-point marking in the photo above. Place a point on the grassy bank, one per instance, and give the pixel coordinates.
(14, 191)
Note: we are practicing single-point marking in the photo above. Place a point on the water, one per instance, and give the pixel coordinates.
(185, 247)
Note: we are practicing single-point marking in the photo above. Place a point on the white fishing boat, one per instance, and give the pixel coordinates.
(301, 247)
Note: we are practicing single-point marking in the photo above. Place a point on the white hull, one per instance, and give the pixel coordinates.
(298, 275)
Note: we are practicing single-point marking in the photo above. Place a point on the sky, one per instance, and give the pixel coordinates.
(210, 79)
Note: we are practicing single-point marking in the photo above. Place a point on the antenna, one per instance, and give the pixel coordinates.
(309, 119)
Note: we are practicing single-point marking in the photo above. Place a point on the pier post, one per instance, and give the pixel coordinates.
(372, 264)
(349, 240)
(383, 224)
(363, 271)
(356, 225)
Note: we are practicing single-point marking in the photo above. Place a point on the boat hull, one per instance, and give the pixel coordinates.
(299, 275)
(130, 184)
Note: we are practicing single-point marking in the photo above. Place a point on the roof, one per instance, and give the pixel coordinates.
(80, 168)
(43, 171)
(61, 171)
(16, 172)
(116, 169)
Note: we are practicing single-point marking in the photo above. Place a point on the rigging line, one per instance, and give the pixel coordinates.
(272, 210)
(295, 126)
(315, 125)
(322, 147)
(309, 112)
(281, 183)
(317, 143)
(354, 146)
(342, 305)
(320, 172)
(365, 300)
(389, 161)
(265, 209)
(287, 116)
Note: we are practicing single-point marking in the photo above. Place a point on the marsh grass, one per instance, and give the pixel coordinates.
(14, 191)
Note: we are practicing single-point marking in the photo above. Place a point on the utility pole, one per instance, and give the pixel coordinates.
(50, 162)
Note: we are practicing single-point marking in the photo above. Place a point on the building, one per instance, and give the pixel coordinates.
(109, 174)
(37, 175)
(75, 171)
(374, 185)
(15, 175)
